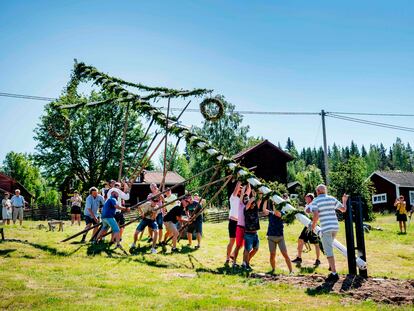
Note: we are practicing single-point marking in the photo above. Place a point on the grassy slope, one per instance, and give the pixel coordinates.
(43, 274)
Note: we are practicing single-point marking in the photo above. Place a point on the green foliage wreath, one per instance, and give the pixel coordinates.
(212, 117)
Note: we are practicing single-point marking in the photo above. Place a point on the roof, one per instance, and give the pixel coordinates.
(8, 184)
(171, 178)
(293, 184)
(258, 146)
(398, 178)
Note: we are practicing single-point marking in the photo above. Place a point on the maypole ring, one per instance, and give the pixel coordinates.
(204, 105)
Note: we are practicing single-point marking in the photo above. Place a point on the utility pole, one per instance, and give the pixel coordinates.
(325, 146)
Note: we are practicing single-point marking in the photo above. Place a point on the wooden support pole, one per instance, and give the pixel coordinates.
(121, 161)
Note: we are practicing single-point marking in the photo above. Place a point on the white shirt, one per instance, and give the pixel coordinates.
(234, 206)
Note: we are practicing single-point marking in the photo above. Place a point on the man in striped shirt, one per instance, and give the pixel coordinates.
(323, 209)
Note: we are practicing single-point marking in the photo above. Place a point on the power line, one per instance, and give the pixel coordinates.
(373, 123)
(243, 112)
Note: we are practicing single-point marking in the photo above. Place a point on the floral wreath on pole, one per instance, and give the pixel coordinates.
(204, 111)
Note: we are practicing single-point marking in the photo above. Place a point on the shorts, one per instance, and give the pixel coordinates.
(401, 217)
(274, 241)
(7, 213)
(147, 222)
(75, 210)
(240, 236)
(120, 219)
(307, 236)
(171, 227)
(17, 213)
(196, 226)
(327, 241)
(90, 220)
(110, 222)
(160, 221)
(232, 228)
(251, 241)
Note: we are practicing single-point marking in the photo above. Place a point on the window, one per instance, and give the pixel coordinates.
(381, 198)
(411, 195)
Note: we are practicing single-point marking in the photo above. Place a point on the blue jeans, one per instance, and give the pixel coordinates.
(147, 222)
(110, 222)
(160, 221)
(251, 240)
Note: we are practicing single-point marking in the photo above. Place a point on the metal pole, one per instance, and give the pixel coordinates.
(350, 241)
(325, 147)
(359, 232)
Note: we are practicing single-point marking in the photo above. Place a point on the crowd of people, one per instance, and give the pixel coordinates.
(161, 209)
(244, 223)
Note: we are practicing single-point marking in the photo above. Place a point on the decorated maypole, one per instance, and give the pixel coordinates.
(141, 104)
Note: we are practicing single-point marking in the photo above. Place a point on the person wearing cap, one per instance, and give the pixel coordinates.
(171, 219)
(148, 213)
(75, 210)
(108, 219)
(17, 202)
(307, 236)
(7, 210)
(92, 204)
(122, 195)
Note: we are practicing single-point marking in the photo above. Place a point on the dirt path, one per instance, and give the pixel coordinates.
(388, 291)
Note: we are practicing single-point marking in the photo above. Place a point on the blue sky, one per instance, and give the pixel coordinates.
(262, 55)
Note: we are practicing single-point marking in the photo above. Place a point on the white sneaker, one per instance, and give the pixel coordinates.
(292, 273)
(153, 251)
(133, 245)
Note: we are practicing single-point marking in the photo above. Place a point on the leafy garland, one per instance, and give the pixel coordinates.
(113, 85)
(212, 117)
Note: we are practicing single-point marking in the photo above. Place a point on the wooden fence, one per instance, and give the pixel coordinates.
(63, 213)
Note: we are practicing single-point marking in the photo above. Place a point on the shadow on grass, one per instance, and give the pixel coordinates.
(98, 249)
(308, 270)
(51, 250)
(6, 252)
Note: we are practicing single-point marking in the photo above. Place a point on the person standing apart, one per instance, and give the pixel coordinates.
(234, 201)
(401, 213)
(75, 209)
(323, 209)
(17, 202)
(7, 210)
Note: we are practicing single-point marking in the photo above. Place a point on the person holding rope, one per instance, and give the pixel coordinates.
(108, 219)
(234, 201)
(148, 213)
(323, 209)
(307, 236)
(122, 195)
(92, 204)
(172, 218)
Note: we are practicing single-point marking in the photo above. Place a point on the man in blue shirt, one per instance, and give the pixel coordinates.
(108, 218)
(275, 237)
(17, 202)
(92, 204)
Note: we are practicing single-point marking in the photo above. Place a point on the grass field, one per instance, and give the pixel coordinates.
(38, 272)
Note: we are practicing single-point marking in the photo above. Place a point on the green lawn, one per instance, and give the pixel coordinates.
(38, 272)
